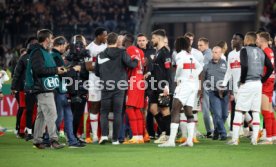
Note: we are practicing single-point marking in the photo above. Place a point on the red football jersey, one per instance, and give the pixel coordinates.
(133, 52)
(268, 86)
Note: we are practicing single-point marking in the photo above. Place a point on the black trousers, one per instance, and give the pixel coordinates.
(112, 101)
(19, 112)
(30, 101)
(78, 111)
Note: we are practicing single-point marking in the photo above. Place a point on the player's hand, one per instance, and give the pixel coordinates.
(77, 68)
(221, 93)
(1, 96)
(61, 70)
(13, 92)
(166, 91)
(232, 98)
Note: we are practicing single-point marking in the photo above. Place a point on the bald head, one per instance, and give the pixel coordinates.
(217, 52)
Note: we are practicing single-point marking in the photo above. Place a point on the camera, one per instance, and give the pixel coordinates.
(77, 52)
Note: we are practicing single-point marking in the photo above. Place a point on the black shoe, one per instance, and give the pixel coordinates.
(77, 145)
(29, 137)
(39, 146)
(215, 137)
(21, 135)
(223, 138)
(56, 145)
(81, 141)
(208, 135)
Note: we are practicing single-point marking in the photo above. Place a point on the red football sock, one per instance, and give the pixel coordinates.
(23, 122)
(61, 128)
(140, 121)
(88, 126)
(132, 120)
(273, 125)
(268, 122)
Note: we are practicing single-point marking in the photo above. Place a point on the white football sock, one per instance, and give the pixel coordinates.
(183, 125)
(94, 125)
(29, 131)
(174, 128)
(190, 129)
(256, 125)
(237, 122)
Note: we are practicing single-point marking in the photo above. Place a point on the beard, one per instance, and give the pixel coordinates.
(155, 44)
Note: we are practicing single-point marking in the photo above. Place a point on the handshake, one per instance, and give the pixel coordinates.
(62, 70)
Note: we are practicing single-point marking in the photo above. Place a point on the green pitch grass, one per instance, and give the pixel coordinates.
(17, 152)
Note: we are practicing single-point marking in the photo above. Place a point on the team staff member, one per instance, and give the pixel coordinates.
(111, 65)
(161, 72)
(215, 71)
(44, 76)
(249, 94)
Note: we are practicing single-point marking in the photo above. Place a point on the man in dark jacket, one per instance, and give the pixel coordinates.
(45, 80)
(24, 99)
(111, 67)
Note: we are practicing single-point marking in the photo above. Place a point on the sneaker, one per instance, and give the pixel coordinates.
(223, 138)
(2, 133)
(131, 141)
(29, 137)
(186, 144)
(233, 142)
(230, 134)
(88, 140)
(181, 140)
(95, 140)
(77, 145)
(146, 138)
(39, 146)
(3, 129)
(167, 144)
(56, 145)
(265, 142)
(20, 135)
(103, 140)
(116, 143)
(141, 141)
(162, 139)
(208, 135)
(195, 140)
(80, 140)
(254, 142)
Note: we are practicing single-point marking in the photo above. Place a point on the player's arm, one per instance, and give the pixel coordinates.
(244, 65)
(128, 61)
(269, 68)
(227, 75)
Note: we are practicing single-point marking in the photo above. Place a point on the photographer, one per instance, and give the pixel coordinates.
(63, 107)
(77, 91)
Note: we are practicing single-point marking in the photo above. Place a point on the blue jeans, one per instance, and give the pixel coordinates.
(64, 112)
(220, 109)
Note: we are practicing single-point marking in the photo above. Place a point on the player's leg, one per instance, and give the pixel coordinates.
(266, 108)
(130, 111)
(94, 111)
(190, 126)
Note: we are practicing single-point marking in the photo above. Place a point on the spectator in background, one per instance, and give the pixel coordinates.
(224, 48)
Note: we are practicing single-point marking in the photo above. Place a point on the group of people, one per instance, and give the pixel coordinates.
(130, 84)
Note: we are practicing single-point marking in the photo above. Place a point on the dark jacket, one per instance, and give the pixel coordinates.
(111, 65)
(40, 71)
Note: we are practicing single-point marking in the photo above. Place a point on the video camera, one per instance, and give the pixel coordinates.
(77, 52)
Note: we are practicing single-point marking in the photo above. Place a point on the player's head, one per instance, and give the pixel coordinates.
(158, 37)
(142, 41)
(223, 46)
(60, 43)
(262, 39)
(191, 36)
(203, 44)
(101, 34)
(45, 37)
(112, 39)
(250, 38)
(182, 43)
(128, 40)
(120, 41)
(216, 53)
(237, 40)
